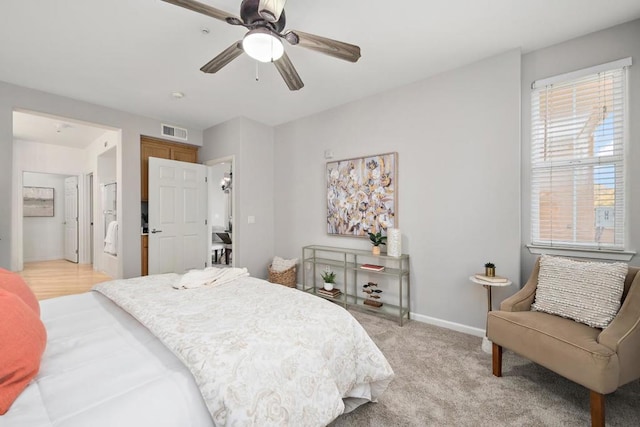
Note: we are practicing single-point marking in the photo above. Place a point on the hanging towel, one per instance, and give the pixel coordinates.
(210, 276)
(111, 239)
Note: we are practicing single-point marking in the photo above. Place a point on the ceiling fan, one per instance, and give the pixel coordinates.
(265, 20)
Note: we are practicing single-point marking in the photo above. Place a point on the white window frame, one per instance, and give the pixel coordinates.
(571, 248)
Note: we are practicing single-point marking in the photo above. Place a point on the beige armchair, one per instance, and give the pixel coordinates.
(599, 359)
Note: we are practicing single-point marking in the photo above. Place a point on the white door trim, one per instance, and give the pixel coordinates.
(236, 233)
(71, 219)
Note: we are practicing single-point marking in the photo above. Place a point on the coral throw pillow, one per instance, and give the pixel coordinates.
(13, 283)
(22, 342)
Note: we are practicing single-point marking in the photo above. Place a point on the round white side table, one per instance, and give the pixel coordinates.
(486, 343)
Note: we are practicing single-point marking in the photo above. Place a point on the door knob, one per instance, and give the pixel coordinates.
(154, 231)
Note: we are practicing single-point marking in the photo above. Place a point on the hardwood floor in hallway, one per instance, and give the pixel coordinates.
(49, 279)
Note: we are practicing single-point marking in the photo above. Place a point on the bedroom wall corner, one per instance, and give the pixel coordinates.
(457, 135)
(43, 237)
(131, 126)
(252, 144)
(256, 180)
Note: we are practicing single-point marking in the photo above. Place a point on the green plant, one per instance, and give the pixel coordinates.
(489, 265)
(378, 239)
(329, 277)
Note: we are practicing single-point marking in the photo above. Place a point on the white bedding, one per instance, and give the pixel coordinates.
(262, 354)
(102, 368)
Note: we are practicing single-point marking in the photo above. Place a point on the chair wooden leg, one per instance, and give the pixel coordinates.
(496, 358)
(597, 409)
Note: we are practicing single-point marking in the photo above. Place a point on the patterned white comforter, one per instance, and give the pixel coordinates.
(262, 354)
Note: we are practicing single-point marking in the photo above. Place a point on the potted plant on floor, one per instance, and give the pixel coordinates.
(329, 278)
(377, 239)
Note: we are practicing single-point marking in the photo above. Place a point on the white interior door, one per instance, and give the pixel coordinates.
(178, 236)
(71, 219)
(91, 219)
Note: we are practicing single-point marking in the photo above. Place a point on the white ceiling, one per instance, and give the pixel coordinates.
(54, 130)
(131, 54)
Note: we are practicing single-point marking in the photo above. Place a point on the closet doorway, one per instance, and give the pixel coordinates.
(224, 246)
(50, 217)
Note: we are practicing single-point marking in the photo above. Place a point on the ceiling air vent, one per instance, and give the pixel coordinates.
(174, 132)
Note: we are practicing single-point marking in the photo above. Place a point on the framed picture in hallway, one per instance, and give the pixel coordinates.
(362, 195)
(37, 201)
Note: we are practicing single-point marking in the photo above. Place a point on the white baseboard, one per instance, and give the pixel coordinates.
(439, 322)
(449, 325)
(44, 258)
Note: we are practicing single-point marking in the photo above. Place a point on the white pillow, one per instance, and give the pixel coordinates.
(587, 292)
(280, 264)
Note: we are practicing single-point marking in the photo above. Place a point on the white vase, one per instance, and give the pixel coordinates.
(328, 286)
(394, 242)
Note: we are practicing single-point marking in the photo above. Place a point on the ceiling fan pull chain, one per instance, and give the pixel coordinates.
(257, 73)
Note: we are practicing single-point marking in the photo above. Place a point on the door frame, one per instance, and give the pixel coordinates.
(234, 228)
(17, 245)
(75, 218)
(89, 253)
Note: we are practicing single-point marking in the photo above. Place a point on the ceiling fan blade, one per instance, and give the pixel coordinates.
(228, 55)
(205, 9)
(288, 72)
(341, 50)
(270, 10)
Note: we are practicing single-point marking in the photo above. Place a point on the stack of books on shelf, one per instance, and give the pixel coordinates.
(494, 279)
(372, 267)
(334, 293)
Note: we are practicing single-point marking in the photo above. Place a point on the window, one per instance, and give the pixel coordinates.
(578, 132)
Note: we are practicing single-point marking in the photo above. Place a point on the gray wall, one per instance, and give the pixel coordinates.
(132, 126)
(597, 48)
(252, 145)
(463, 169)
(458, 141)
(43, 237)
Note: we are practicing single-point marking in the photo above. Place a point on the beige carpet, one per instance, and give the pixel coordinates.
(443, 378)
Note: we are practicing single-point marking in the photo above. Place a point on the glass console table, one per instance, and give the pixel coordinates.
(393, 281)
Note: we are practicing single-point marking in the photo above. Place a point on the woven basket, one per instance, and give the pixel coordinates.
(286, 278)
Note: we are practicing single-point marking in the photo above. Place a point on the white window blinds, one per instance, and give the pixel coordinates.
(577, 161)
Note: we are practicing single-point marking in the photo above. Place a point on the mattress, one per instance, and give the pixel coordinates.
(101, 368)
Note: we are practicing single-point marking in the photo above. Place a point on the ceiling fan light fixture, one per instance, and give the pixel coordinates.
(262, 45)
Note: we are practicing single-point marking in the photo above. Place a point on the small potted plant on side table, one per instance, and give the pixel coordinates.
(377, 239)
(329, 278)
(490, 269)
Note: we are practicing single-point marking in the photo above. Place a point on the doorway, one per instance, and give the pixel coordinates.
(64, 147)
(71, 219)
(224, 235)
(50, 217)
(90, 219)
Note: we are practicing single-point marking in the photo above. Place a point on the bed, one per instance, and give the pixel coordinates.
(139, 352)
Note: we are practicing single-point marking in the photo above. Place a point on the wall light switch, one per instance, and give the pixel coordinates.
(251, 219)
(328, 154)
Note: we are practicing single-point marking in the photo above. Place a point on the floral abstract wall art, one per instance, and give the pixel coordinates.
(361, 195)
